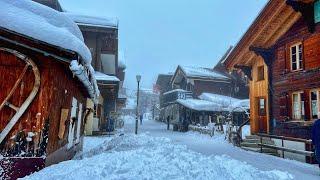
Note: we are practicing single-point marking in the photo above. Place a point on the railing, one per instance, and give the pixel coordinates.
(240, 128)
(285, 149)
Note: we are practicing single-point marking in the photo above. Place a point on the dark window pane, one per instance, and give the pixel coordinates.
(294, 66)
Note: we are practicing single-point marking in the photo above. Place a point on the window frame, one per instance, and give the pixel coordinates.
(258, 73)
(318, 103)
(298, 66)
(301, 105)
(264, 112)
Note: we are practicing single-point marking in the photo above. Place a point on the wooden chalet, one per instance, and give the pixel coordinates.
(101, 36)
(196, 96)
(279, 53)
(199, 80)
(44, 85)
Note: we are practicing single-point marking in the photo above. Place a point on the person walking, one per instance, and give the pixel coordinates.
(316, 139)
(168, 122)
(141, 117)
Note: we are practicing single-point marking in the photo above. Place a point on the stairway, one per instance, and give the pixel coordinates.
(250, 143)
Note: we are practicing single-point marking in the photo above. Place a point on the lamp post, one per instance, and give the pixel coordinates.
(138, 77)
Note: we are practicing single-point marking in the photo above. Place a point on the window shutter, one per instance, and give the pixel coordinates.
(306, 104)
(283, 104)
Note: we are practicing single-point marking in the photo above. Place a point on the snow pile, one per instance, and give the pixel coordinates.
(83, 73)
(93, 21)
(202, 73)
(146, 157)
(103, 77)
(43, 23)
(200, 105)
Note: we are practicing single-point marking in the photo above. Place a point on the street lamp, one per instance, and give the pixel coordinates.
(138, 77)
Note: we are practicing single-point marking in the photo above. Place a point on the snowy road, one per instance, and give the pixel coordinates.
(160, 154)
(217, 146)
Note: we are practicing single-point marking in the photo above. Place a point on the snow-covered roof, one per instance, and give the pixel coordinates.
(43, 23)
(104, 77)
(200, 105)
(93, 21)
(226, 102)
(175, 90)
(200, 72)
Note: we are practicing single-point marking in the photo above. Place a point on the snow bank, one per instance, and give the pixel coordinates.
(43, 23)
(93, 21)
(202, 72)
(146, 157)
(103, 77)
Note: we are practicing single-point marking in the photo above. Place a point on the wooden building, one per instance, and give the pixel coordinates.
(44, 85)
(195, 95)
(101, 36)
(279, 53)
(199, 80)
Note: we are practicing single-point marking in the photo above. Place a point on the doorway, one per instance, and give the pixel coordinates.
(262, 114)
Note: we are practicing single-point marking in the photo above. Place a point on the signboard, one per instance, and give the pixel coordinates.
(181, 95)
(317, 11)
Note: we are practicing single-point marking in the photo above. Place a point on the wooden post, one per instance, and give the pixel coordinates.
(282, 144)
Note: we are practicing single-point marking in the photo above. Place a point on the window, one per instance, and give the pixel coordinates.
(298, 106)
(262, 106)
(260, 75)
(296, 57)
(314, 103)
(108, 63)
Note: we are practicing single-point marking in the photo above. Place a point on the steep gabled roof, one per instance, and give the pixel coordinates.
(202, 73)
(275, 19)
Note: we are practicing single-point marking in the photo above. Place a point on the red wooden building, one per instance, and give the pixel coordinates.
(44, 85)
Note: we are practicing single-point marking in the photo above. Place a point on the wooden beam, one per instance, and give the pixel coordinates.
(266, 54)
(277, 7)
(307, 11)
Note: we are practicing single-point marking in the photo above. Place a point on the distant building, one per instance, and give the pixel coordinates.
(199, 80)
(185, 102)
(101, 36)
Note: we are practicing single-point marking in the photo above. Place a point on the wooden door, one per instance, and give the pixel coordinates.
(262, 114)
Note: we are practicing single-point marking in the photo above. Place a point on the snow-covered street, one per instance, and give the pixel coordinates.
(160, 154)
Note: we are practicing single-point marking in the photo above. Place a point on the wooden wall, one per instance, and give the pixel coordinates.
(284, 81)
(58, 86)
(258, 89)
(201, 86)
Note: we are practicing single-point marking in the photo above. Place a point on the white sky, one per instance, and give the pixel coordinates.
(158, 35)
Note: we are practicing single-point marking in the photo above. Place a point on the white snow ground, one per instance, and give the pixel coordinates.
(160, 154)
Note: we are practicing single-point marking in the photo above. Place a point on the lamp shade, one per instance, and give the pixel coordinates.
(138, 78)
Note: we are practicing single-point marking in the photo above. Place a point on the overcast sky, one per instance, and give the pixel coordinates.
(158, 35)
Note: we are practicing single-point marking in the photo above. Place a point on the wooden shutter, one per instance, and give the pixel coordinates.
(283, 104)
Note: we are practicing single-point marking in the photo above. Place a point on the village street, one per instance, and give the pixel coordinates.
(157, 153)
